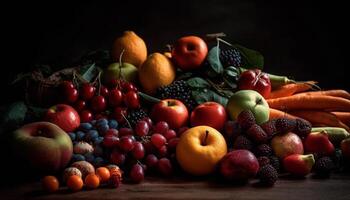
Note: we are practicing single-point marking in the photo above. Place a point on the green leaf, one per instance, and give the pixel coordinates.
(13, 116)
(205, 95)
(148, 97)
(231, 76)
(197, 82)
(252, 58)
(184, 76)
(214, 60)
(89, 72)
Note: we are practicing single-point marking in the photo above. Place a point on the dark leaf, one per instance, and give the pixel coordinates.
(13, 116)
(205, 95)
(231, 76)
(89, 72)
(148, 97)
(184, 76)
(197, 82)
(214, 60)
(252, 58)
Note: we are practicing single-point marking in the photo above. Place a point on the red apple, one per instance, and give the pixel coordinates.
(210, 114)
(63, 116)
(345, 148)
(239, 165)
(255, 80)
(299, 165)
(286, 144)
(172, 111)
(189, 52)
(43, 145)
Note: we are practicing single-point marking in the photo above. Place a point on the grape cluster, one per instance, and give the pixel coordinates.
(179, 90)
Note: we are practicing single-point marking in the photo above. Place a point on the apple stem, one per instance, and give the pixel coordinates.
(205, 138)
(120, 64)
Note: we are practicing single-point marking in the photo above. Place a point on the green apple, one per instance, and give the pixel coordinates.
(248, 100)
(42, 145)
(128, 72)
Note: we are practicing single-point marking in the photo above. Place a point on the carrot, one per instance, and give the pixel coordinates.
(319, 117)
(301, 102)
(274, 114)
(343, 116)
(335, 93)
(290, 89)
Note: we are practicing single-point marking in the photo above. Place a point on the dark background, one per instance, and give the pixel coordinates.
(303, 40)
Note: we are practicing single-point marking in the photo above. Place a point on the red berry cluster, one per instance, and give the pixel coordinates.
(91, 101)
(147, 148)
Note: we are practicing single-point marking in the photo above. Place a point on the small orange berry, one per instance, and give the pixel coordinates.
(50, 183)
(92, 181)
(75, 183)
(103, 173)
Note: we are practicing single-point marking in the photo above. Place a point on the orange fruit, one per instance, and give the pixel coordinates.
(135, 50)
(92, 181)
(50, 183)
(103, 173)
(155, 72)
(75, 183)
(200, 149)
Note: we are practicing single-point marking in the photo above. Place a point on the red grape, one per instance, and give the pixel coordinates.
(163, 151)
(126, 144)
(149, 147)
(137, 173)
(125, 131)
(148, 120)
(138, 151)
(182, 130)
(110, 141)
(118, 113)
(142, 128)
(173, 143)
(161, 127)
(169, 134)
(158, 140)
(117, 158)
(151, 161)
(165, 167)
(111, 132)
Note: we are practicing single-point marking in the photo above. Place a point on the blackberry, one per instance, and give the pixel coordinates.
(263, 150)
(242, 142)
(269, 127)
(231, 57)
(179, 90)
(302, 128)
(324, 166)
(257, 134)
(246, 119)
(268, 175)
(275, 162)
(284, 125)
(263, 160)
(134, 116)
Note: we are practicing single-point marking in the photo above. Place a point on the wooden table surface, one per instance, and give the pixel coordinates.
(337, 187)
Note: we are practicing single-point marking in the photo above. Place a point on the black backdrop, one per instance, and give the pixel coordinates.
(303, 40)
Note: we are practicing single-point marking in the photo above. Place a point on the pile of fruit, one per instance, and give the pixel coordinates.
(204, 107)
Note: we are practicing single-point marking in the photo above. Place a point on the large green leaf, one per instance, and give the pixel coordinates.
(251, 58)
(89, 72)
(214, 60)
(197, 82)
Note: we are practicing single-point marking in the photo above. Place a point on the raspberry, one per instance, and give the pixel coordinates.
(324, 166)
(246, 119)
(263, 160)
(302, 128)
(263, 150)
(268, 175)
(257, 134)
(275, 162)
(284, 125)
(242, 142)
(269, 127)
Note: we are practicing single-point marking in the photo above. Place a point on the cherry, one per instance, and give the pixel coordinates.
(110, 141)
(71, 95)
(158, 140)
(118, 113)
(85, 116)
(87, 91)
(98, 103)
(127, 87)
(66, 85)
(138, 151)
(165, 167)
(100, 116)
(151, 160)
(125, 131)
(80, 105)
(161, 127)
(169, 134)
(142, 128)
(137, 173)
(104, 91)
(115, 97)
(112, 132)
(126, 144)
(117, 158)
(131, 100)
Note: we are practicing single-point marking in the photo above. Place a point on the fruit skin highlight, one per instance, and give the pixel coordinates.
(287, 144)
(200, 149)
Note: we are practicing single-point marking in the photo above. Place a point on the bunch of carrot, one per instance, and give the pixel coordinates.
(321, 108)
